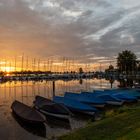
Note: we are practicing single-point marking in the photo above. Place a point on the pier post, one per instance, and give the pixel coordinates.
(53, 88)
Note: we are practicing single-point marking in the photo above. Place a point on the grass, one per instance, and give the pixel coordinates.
(119, 124)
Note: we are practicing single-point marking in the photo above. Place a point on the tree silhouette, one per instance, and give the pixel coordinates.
(126, 61)
(81, 70)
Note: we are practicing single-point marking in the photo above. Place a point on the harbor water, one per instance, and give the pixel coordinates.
(25, 91)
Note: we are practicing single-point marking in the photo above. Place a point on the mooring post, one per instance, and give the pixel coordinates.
(53, 88)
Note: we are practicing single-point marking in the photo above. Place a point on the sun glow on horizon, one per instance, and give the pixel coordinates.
(8, 69)
(53, 65)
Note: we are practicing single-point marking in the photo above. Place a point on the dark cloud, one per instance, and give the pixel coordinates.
(69, 27)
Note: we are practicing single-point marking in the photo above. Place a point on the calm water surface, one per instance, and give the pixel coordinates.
(13, 129)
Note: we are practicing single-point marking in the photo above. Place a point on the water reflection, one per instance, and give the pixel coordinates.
(25, 91)
(81, 81)
(58, 123)
(39, 130)
(126, 82)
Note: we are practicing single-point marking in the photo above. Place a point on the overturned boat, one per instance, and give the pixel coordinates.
(83, 98)
(107, 98)
(75, 106)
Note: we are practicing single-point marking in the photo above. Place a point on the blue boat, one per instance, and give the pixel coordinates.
(133, 93)
(126, 97)
(105, 91)
(83, 98)
(123, 94)
(109, 99)
(116, 89)
(75, 106)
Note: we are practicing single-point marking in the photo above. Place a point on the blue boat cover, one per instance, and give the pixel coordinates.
(107, 97)
(73, 104)
(133, 93)
(83, 98)
(103, 96)
(124, 96)
(121, 94)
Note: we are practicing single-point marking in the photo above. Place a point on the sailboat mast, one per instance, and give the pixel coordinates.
(22, 63)
(15, 63)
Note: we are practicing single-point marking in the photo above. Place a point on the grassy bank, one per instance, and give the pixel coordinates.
(121, 124)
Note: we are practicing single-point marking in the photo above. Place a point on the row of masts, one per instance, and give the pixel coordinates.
(56, 64)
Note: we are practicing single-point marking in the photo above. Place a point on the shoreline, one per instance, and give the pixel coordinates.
(123, 123)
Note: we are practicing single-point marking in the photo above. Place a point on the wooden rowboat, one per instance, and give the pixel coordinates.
(26, 113)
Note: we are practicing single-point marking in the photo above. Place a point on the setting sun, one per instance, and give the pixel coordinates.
(7, 69)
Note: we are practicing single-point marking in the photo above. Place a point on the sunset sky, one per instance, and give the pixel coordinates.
(95, 29)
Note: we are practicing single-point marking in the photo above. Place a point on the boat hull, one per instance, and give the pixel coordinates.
(50, 108)
(96, 105)
(115, 103)
(26, 113)
(38, 129)
(86, 112)
(26, 120)
(61, 116)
